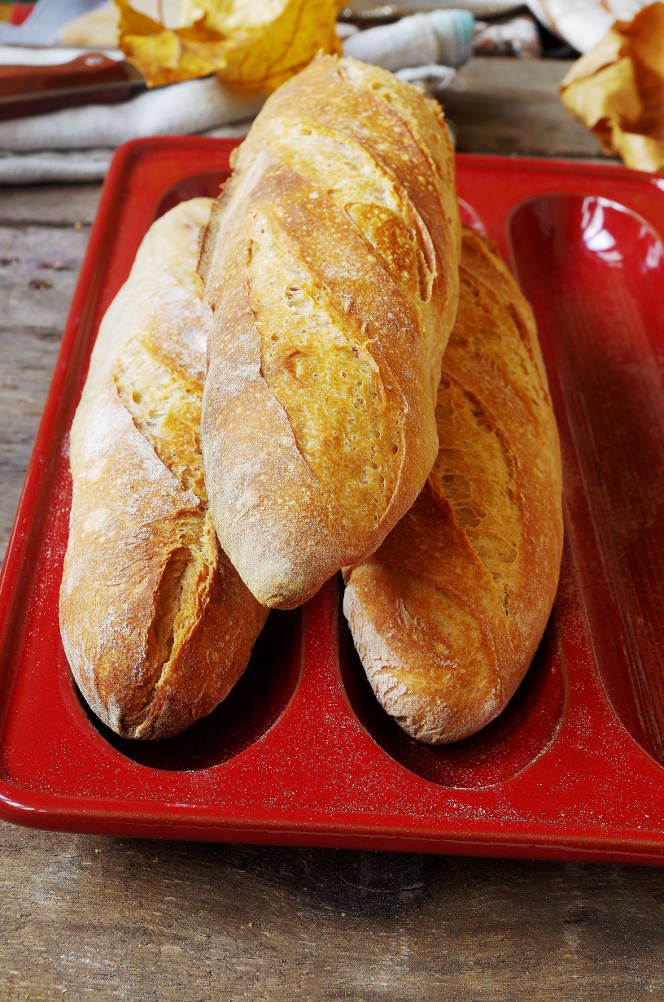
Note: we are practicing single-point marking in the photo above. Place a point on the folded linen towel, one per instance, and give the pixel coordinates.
(180, 109)
(65, 166)
(47, 166)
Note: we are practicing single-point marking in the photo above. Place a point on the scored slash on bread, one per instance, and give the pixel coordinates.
(448, 613)
(331, 264)
(155, 621)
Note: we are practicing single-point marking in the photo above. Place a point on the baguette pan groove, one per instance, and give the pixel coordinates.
(156, 624)
(448, 613)
(331, 264)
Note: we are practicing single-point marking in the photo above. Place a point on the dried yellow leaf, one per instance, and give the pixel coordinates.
(609, 93)
(254, 44)
(617, 90)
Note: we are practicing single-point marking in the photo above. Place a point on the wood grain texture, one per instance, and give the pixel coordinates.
(49, 205)
(39, 265)
(114, 918)
(502, 105)
(111, 918)
(28, 356)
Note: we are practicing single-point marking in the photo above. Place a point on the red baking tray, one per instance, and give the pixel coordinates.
(300, 753)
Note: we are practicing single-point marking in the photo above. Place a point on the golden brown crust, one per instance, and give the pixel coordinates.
(331, 264)
(155, 621)
(448, 613)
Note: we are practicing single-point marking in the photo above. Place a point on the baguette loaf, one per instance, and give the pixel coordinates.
(448, 613)
(331, 264)
(155, 622)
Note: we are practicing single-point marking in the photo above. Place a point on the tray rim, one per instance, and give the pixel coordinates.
(149, 818)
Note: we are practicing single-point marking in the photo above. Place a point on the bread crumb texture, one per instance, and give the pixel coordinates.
(156, 624)
(331, 264)
(448, 613)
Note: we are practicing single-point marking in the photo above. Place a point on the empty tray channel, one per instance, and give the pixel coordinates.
(594, 274)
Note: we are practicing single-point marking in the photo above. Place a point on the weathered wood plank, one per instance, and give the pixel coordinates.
(53, 204)
(501, 105)
(28, 356)
(39, 265)
(167, 921)
(38, 270)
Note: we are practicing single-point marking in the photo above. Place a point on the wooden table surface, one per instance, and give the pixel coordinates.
(93, 917)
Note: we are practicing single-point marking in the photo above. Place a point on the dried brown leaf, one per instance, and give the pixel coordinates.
(617, 90)
(252, 44)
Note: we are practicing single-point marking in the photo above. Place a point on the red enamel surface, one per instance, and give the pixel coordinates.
(601, 321)
(300, 753)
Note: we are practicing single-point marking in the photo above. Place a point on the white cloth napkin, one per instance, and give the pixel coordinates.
(583, 23)
(432, 77)
(421, 40)
(180, 109)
